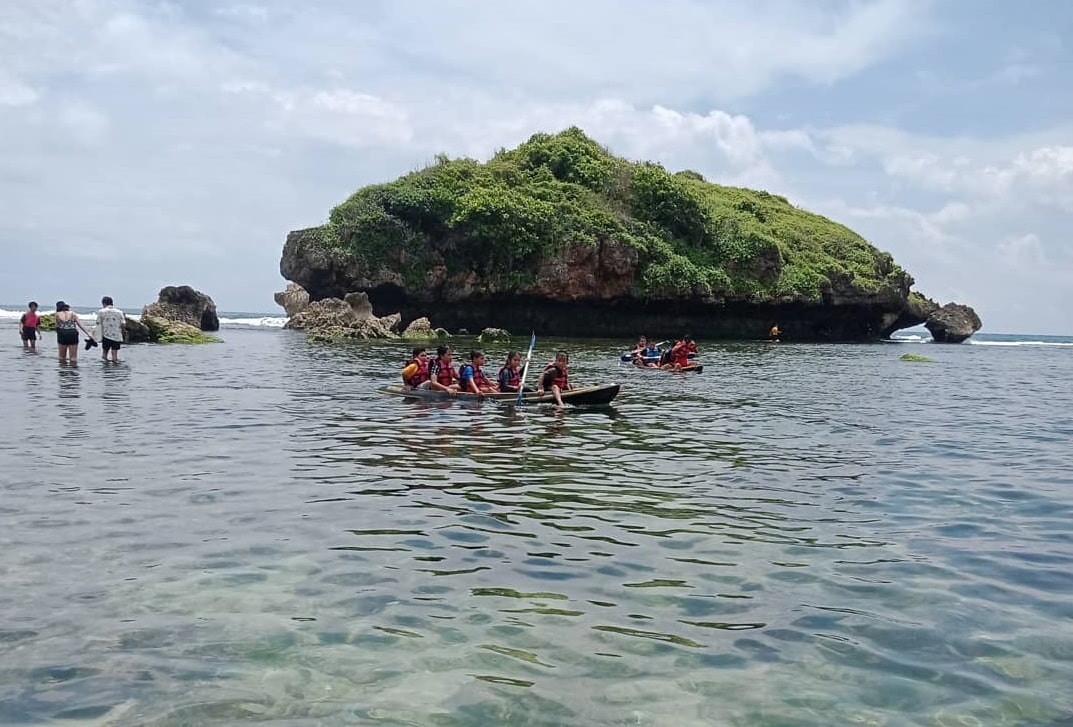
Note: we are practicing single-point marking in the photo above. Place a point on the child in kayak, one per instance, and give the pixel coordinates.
(471, 377)
(442, 372)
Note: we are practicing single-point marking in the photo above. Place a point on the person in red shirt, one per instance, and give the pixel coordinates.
(678, 356)
(28, 325)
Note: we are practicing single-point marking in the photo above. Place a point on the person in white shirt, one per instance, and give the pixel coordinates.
(111, 321)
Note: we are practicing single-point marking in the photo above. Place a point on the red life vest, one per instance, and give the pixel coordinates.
(560, 375)
(31, 320)
(680, 355)
(509, 379)
(421, 375)
(480, 379)
(445, 375)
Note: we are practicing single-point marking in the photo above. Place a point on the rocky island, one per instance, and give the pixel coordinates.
(561, 236)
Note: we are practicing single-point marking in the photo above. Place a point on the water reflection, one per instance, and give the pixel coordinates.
(69, 402)
(764, 545)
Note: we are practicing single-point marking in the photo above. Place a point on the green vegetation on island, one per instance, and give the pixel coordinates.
(501, 218)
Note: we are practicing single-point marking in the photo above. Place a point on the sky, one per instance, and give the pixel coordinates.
(147, 143)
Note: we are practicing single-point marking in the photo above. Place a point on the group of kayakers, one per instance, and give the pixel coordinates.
(440, 374)
(648, 354)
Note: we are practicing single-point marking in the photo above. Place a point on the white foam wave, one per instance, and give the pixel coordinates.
(247, 321)
(256, 322)
(1061, 344)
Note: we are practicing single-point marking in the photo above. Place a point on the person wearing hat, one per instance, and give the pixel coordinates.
(67, 325)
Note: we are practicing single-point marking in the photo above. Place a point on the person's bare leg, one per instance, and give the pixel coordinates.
(556, 392)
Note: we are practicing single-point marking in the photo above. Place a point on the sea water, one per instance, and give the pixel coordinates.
(800, 535)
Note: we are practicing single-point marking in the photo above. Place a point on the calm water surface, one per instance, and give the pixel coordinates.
(801, 535)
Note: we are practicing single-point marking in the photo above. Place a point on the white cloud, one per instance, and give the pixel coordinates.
(1023, 251)
(244, 11)
(84, 123)
(951, 214)
(341, 116)
(15, 93)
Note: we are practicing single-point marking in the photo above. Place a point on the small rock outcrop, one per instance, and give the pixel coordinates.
(293, 300)
(953, 323)
(169, 330)
(494, 334)
(186, 305)
(392, 322)
(333, 319)
(421, 329)
(134, 331)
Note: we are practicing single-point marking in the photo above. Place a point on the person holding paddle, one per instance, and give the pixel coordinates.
(510, 375)
(678, 357)
(649, 356)
(639, 349)
(554, 378)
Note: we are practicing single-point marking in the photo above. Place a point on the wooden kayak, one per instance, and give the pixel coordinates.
(626, 357)
(583, 396)
(695, 368)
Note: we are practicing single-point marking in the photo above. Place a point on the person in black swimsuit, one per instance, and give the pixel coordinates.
(67, 325)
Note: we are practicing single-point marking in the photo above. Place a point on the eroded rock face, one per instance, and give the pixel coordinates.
(419, 329)
(186, 305)
(493, 334)
(592, 289)
(293, 299)
(333, 318)
(953, 323)
(585, 271)
(916, 311)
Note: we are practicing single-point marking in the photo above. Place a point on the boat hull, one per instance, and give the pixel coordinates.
(626, 358)
(695, 368)
(582, 396)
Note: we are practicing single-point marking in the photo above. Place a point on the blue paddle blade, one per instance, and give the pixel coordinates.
(525, 370)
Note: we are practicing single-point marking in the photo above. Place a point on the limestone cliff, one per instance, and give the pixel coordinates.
(559, 235)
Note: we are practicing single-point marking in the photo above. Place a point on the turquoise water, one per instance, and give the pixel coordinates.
(801, 535)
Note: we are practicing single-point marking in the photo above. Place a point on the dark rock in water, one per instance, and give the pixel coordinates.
(953, 323)
(186, 305)
(916, 311)
(293, 300)
(135, 331)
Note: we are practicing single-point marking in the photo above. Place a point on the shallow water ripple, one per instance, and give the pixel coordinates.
(800, 535)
